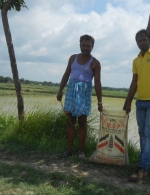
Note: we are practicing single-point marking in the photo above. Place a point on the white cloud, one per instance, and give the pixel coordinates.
(40, 52)
(48, 33)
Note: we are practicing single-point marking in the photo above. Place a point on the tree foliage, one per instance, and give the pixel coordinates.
(15, 4)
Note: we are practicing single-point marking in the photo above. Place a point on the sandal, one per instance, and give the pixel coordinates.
(65, 154)
(81, 155)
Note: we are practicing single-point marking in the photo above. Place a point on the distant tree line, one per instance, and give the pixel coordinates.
(49, 83)
(25, 81)
(115, 89)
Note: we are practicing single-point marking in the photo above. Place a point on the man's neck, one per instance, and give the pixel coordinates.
(85, 55)
(143, 52)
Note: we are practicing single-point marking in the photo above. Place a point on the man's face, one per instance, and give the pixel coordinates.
(86, 47)
(142, 42)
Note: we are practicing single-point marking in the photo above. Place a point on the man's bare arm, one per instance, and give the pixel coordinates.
(131, 93)
(64, 79)
(97, 83)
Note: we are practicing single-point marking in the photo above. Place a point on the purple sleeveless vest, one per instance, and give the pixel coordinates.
(81, 72)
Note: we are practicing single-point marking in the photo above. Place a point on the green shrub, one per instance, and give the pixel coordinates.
(45, 129)
(5, 122)
(133, 152)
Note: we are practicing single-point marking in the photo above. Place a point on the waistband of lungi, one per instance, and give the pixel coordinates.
(89, 83)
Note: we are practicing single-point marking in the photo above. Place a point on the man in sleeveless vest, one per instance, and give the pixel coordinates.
(141, 84)
(80, 71)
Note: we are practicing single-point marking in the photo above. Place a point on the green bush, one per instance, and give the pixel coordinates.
(45, 129)
(133, 152)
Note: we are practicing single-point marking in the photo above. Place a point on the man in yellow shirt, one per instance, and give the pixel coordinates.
(141, 84)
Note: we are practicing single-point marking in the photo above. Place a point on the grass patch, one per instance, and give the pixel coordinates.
(41, 134)
(43, 130)
(15, 179)
(134, 153)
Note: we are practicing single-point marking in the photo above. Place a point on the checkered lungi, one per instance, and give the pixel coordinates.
(78, 98)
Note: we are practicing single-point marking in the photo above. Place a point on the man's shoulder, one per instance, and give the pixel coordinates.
(73, 56)
(136, 58)
(95, 61)
(95, 64)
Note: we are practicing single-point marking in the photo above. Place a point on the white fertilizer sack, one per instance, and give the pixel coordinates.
(112, 139)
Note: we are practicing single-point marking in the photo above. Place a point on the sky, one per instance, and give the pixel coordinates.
(47, 33)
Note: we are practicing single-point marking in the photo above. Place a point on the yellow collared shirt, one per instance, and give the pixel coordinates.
(141, 67)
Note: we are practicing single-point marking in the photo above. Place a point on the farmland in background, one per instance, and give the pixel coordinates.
(37, 97)
(40, 89)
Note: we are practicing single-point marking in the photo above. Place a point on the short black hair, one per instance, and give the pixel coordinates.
(87, 37)
(142, 31)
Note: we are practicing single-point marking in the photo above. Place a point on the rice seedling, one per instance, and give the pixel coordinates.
(133, 152)
(45, 124)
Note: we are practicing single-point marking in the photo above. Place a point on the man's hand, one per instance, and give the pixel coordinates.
(127, 107)
(59, 96)
(100, 107)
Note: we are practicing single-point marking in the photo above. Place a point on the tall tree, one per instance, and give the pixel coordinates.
(6, 5)
(148, 26)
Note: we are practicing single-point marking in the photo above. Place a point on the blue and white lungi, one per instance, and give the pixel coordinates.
(78, 98)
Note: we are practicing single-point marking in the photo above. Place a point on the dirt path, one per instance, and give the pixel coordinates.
(85, 170)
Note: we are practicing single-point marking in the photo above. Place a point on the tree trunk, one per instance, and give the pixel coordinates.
(20, 103)
(148, 27)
